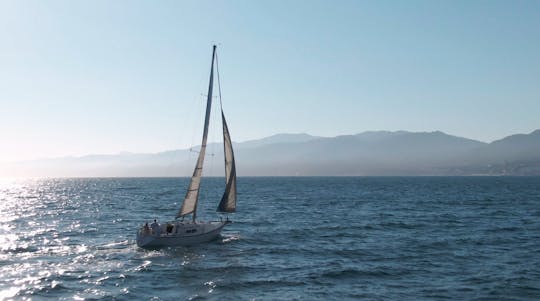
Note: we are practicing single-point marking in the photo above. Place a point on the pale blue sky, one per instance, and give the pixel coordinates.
(82, 77)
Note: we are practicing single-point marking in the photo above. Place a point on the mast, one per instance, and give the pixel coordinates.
(192, 195)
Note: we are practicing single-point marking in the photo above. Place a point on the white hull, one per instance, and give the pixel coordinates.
(179, 234)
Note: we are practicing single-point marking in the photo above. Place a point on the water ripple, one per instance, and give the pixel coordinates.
(292, 239)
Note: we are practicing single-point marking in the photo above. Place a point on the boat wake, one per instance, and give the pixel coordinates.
(115, 245)
(228, 238)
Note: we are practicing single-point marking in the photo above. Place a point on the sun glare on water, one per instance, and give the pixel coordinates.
(8, 236)
(20, 233)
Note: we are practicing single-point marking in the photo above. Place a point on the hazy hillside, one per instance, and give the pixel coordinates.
(516, 154)
(368, 153)
(276, 139)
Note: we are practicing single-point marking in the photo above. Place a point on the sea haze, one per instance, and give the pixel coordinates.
(366, 154)
(303, 238)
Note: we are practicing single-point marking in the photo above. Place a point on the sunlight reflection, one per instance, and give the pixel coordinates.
(9, 292)
(8, 242)
(8, 188)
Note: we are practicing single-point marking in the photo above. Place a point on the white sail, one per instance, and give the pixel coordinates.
(192, 195)
(228, 201)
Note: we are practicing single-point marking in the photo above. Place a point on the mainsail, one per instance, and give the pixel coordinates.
(192, 195)
(228, 201)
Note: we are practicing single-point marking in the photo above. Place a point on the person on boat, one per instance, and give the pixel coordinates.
(155, 228)
(146, 229)
(169, 228)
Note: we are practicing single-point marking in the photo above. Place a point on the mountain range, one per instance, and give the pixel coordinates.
(375, 153)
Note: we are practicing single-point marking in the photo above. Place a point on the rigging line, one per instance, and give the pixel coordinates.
(219, 83)
(221, 107)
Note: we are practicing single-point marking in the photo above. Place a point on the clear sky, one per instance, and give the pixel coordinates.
(83, 77)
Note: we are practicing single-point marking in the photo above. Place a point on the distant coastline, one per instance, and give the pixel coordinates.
(375, 153)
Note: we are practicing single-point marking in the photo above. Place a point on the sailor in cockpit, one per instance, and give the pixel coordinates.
(156, 230)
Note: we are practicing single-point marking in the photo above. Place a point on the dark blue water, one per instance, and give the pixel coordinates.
(426, 238)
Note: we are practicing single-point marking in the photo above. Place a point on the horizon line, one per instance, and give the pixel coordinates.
(78, 156)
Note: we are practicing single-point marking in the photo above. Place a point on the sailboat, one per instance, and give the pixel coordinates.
(184, 233)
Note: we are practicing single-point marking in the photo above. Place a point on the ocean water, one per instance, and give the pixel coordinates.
(293, 238)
